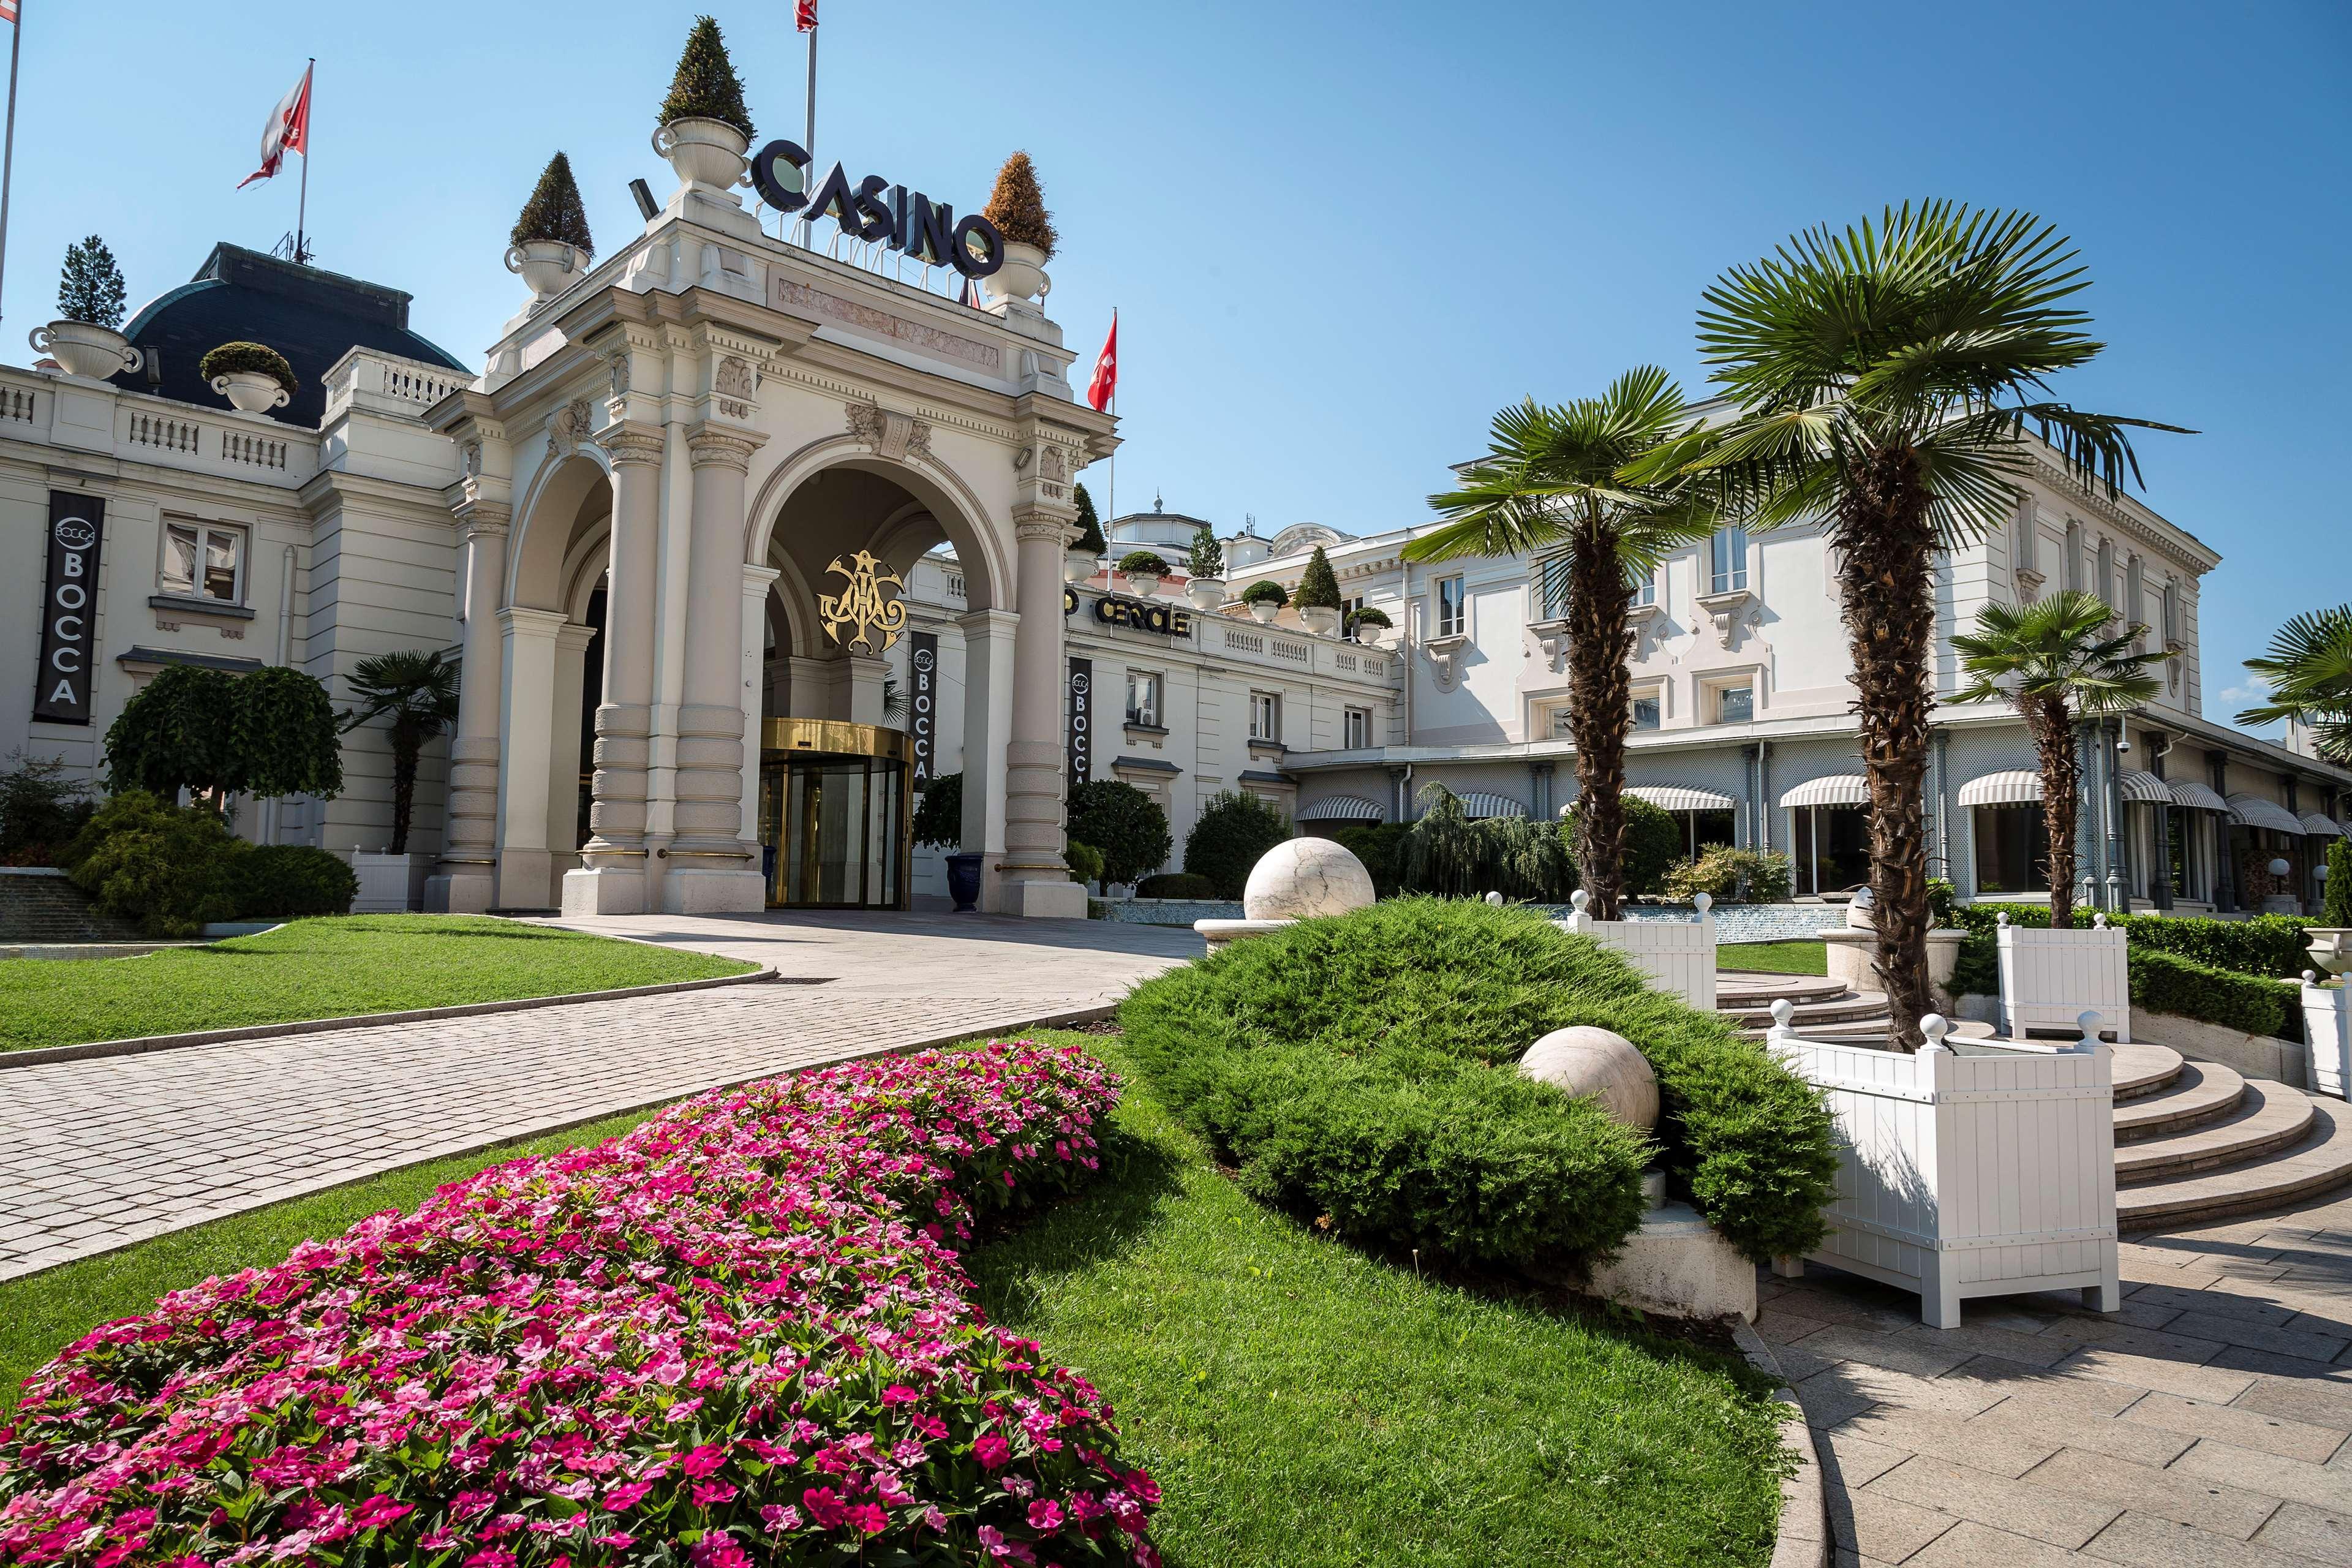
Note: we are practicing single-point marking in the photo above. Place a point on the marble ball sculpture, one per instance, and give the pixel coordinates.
(1304, 879)
(1596, 1062)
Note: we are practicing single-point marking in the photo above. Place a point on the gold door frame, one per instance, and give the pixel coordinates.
(782, 740)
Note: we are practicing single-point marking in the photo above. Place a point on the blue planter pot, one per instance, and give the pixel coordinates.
(963, 881)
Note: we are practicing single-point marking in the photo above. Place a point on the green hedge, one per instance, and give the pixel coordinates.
(2164, 982)
(1233, 831)
(1362, 1068)
(2269, 945)
(174, 869)
(1176, 885)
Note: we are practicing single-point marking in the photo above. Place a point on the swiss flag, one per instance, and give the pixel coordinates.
(805, 16)
(1105, 385)
(289, 131)
(7, 10)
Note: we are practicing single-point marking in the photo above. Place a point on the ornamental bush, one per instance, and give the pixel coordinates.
(1363, 1069)
(555, 211)
(1266, 590)
(706, 86)
(1653, 844)
(1090, 534)
(939, 812)
(2166, 982)
(171, 868)
(740, 1332)
(89, 285)
(1017, 206)
(1124, 823)
(1085, 861)
(1319, 586)
(1176, 885)
(290, 879)
(2337, 913)
(1444, 852)
(42, 806)
(1207, 557)
(1377, 844)
(1234, 830)
(254, 359)
(1143, 562)
(1757, 876)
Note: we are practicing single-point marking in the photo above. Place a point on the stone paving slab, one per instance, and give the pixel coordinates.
(100, 1154)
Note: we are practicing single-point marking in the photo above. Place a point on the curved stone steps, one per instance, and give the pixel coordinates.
(1809, 1015)
(2141, 1069)
(2267, 1117)
(1756, 988)
(2320, 1160)
(2201, 1093)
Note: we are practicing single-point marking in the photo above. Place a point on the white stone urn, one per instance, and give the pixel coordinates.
(86, 349)
(1022, 276)
(704, 152)
(1143, 585)
(546, 267)
(2331, 947)
(1320, 619)
(1077, 565)
(1263, 611)
(1207, 594)
(1373, 635)
(250, 391)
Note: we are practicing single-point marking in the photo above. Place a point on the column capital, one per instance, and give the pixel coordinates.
(522, 620)
(482, 519)
(632, 441)
(1037, 523)
(722, 444)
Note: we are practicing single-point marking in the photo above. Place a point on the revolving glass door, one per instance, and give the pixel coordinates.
(834, 818)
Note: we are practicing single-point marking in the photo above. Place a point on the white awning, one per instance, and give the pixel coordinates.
(2253, 811)
(2320, 826)
(2196, 797)
(1838, 789)
(1478, 804)
(1342, 808)
(2144, 789)
(2015, 786)
(1682, 798)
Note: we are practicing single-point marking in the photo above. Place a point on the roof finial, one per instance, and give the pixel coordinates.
(1155, 499)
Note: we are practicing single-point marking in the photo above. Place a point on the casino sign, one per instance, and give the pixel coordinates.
(875, 210)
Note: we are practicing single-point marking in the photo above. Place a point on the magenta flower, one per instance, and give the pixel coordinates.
(1045, 1514)
(992, 1452)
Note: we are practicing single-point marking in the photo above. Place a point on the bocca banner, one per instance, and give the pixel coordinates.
(923, 702)
(1082, 720)
(62, 686)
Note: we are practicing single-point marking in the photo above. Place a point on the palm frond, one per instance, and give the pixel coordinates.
(2056, 648)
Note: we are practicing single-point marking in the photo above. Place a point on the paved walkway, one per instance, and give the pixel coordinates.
(99, 1154)
(2203, 1426)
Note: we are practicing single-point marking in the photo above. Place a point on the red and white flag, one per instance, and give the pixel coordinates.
(805, 16)
(8, 10)
(289, 131)
(1105, 385)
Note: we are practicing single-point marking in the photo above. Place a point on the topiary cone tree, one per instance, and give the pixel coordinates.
(1208, 556)
(89, 287)
(1319, 586)
(706, 86)
(1017, 207)
(1090, 533)
(555, 211)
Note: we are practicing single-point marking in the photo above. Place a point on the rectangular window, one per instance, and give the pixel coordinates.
(204, 560)
(1728, 560)
(2074, 577)
(1265, 716)
(2013, 850)
(1357, 728)
(1641, 585)
(1348, 609)
(2172, 612)
(1551, 584)
(1734, 705)
(2105, 568)
(1143, 698)
(2028, 541)
(1645, 712)
(1561, 729)
(1449, 608)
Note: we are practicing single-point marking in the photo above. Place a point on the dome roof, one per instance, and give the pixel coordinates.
(311, 317)
(1301, 537)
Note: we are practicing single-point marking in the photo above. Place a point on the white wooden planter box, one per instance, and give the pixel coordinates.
(1676, 956)
(2048, 977)
(2327, 1027)
(389, 884)
(1985, 1174)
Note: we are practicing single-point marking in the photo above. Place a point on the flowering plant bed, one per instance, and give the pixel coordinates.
(738, 1330)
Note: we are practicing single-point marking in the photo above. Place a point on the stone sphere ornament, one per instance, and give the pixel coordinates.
(1583, 1060)
(1307, 878)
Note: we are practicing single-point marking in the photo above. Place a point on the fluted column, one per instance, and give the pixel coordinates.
(1037, 877)
(612, 876)
(464, 882)
(711, 866)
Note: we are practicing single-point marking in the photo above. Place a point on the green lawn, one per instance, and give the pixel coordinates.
(1776, 957)
(324, 969)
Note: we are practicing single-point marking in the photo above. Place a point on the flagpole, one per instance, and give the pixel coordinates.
(8, 158)
(808, 223)
(302, 205)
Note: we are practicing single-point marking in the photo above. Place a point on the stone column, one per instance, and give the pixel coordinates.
(612, 876)
(757, 581)
(1037, 877)
(989, 638)
(711, 868)
(463, 882)
(572, 642)
(526, 747)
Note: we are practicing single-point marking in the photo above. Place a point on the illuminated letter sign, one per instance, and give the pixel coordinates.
(873, 209)
(61, 683)
(1144, 616)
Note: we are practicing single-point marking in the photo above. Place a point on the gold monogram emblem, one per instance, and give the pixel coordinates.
(863, 605)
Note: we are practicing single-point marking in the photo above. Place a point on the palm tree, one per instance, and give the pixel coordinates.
(1551, 478)
(1886, 377)
(2309, 671)
(417, 692)
(2057, 662)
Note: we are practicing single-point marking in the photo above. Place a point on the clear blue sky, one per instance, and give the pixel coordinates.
(1340, 234)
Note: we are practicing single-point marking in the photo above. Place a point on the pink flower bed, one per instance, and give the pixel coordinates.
(738, 1334)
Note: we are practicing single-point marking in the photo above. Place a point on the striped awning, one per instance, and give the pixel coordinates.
(2144, 789)
(1342, 808)
(2196, 796)
(2013, 787)
(2320, 826)
(1682, 798)
(1838, 789)
(2253, 811)
(1478, 804)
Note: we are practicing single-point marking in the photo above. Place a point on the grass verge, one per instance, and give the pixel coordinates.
(1305, 1406)
(1775, 957)
(324, 969)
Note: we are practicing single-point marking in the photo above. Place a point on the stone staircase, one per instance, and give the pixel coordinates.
(2193, 1140)
(41, 909)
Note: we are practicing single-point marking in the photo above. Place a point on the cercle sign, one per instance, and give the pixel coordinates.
(1117, 610)
(874, 209)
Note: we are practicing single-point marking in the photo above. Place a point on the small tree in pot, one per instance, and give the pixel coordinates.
(415, 693)
(1318, 596)
(254, 378)
(938, 825)
(1265, 598)
(1017, 207)
(1143, 570)
(550, 244)
(704, 126)
(85, 337)
(1085, 555)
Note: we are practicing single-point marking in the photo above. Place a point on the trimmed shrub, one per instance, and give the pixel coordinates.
(169, 867)
(1757, 876)
(1378, 845)
(1122, 821)
(2337, 910)
(1017, 206)
(1085, 861)
(1266, 590)
(1090, 534)
(1363, 1069)
(2268, 945)
(1234, 830)
(1942, 899)
(1653, 844)
(2165, 982)
(254, 359)
(1176, 885)
(1370, 615)
(1319, 586)
(939, 812)
(290, 879)
(706, 86)
(555, 211)
(742, 1327)
(1144, 562)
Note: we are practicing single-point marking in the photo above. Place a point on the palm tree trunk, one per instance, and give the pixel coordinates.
(1887, 546)
(404, 749)
(1599, 711)
(2061, 779)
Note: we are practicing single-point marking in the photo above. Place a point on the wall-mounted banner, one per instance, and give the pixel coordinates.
(923, 702)
(1144, 614)
(1082, 720)
(61, 685)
